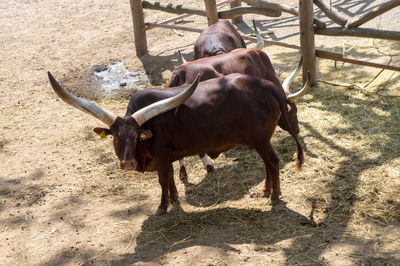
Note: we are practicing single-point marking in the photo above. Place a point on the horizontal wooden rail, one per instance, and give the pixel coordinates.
(283, 8)
(238, 11)
(225, 14)
(318, 52)
(339, 57)
(185, 15)
(170, 8)
(357, 32)
(150, 26)
(328, 55)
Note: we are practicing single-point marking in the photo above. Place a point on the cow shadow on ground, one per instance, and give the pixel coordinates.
(233, 181)
(179, 230)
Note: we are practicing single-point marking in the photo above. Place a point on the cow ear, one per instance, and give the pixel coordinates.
(145, 134)
(102, 132)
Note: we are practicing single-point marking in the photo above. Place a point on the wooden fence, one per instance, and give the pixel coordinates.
(309, 25)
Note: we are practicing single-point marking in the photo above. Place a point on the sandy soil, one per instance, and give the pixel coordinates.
(63, 199)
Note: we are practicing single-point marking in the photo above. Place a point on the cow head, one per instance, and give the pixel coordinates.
(126, 136)
(125, 131)
(291, 98)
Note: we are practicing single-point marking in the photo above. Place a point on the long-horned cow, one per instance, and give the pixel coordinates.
(222, 113)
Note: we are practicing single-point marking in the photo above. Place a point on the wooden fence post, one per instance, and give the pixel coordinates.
(211, 10)
(307, 40)
(237, 19)
(138, 27)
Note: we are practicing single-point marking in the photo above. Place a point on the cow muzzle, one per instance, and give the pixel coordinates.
(128, 165)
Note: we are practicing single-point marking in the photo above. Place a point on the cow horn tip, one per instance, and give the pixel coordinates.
(197, 79)
(52, 80)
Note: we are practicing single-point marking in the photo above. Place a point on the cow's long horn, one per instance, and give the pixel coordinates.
(286, 83)
(106, 116)
(260, 40)
(182, 58)
(294, 96)
(148, 112)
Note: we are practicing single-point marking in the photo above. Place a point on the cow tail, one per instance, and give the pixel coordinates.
(283, 106)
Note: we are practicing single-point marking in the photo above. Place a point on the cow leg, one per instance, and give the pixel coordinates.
(173, 192)
(267, 188)
(165, 174)
(206, 163)
(182, 170)
(271, 162)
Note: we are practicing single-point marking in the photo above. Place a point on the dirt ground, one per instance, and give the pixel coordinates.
(64, 200)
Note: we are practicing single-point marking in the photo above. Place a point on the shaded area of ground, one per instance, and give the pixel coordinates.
(63, 199)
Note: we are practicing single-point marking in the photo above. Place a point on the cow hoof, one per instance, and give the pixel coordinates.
(182, 173)
(160, 212)
(266, 194)
(176, 203)
(210, 169)
(275, 202)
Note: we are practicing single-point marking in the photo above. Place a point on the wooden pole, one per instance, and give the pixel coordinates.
(211, 10)
(307, 40)
(239, 19)
(138, 27)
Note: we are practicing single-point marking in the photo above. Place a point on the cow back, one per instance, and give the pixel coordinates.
(221, 37)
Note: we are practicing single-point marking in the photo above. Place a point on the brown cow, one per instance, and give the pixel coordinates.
(222, 113)
(220, 38)
(247, 61)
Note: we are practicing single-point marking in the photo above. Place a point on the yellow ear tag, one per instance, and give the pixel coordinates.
(142, 136)
(103, 134)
